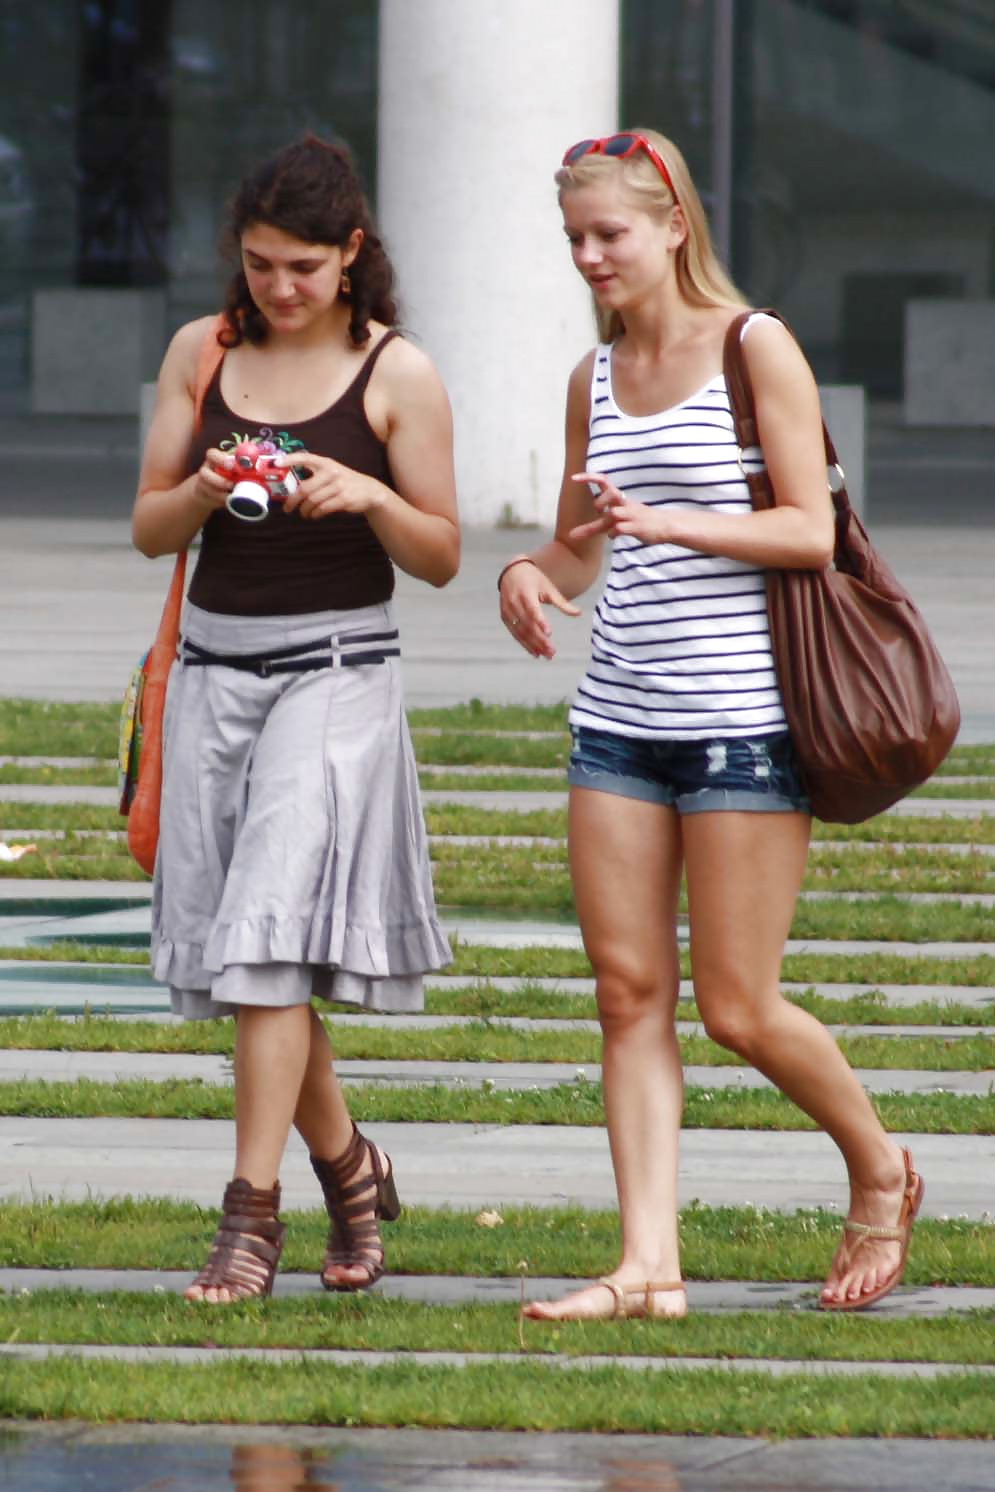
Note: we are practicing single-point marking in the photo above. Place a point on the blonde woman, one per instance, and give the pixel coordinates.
(681, 759)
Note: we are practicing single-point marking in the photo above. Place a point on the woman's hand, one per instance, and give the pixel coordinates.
(621, 515)
(332, 488)
(524, 591)
(210, 486)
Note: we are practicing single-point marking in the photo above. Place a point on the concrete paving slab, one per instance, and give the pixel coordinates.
(473, 1165)
(36, 792)
(159, 1067)
(934, 808)
(294, 1357)
(44, 889)
(713, 1297)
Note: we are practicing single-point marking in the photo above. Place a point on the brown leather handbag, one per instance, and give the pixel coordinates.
(870, 706)
(142, 804)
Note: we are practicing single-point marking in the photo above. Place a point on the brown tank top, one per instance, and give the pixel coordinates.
(286, 565)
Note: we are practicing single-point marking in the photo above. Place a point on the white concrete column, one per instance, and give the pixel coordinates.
(478, 101)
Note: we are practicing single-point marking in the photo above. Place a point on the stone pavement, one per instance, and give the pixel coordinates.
(77, 604)
(474, 1165)
(713, 1296)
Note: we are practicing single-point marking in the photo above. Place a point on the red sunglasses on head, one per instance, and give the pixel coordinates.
(619, 147)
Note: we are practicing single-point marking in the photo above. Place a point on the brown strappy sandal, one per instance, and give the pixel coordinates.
(355, 1204)
(249, 1226)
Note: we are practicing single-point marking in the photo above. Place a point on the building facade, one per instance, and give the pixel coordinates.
(843, 148)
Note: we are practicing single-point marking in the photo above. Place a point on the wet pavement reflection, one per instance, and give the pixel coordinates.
(545, 1464)
(77, 1458)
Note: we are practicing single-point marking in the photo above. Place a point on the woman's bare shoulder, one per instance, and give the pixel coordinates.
(183, 352)
(403, 368)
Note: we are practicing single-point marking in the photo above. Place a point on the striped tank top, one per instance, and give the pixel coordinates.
(680, 645)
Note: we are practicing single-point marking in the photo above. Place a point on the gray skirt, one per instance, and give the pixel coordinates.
(292, 852)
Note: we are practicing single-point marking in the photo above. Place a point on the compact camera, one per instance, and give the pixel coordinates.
(259, 479)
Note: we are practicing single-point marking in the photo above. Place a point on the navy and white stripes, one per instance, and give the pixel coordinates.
(680, 642)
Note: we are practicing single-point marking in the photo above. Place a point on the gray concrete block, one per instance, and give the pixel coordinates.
(950, 362)
(91, 349)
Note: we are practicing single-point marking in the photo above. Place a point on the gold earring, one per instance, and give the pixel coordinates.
(345, 285)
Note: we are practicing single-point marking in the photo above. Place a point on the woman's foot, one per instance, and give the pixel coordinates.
(359, 1191)
(614, 1299)
(246, 1249)
(870, 1260)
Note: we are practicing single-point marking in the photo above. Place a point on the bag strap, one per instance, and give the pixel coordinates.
(743, 404)
(209, 360)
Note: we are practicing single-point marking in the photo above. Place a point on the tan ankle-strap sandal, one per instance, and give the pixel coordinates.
(355, 1205)
(912, 1196)
(248, 1244)
(640, 1295)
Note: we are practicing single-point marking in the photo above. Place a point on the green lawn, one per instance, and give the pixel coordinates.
(717, 1243)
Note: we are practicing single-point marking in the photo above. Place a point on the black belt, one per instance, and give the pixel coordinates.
(325, 652)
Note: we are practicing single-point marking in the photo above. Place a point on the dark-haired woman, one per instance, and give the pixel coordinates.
(292, 859)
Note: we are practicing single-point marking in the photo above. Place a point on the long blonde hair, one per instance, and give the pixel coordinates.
(701, 278)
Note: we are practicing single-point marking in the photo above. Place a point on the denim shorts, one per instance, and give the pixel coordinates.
(751, 774)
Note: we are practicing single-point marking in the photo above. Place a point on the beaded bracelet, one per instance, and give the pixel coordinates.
(523, 559)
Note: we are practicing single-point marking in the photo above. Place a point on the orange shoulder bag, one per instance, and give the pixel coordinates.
(140, 739)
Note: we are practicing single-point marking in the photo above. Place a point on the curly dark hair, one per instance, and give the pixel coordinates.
(310, 190)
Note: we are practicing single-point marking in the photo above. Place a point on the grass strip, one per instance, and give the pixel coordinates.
(479, 1042)
(31, 727)
(717, 1243)
(64, 816)
(34, 727)
(75, 952)
(98, 775)
(485, 961)
(871, 1009)
(375, 1324)
(475, 715)
(76, 860)
(883, 868)
(452, 749)
(576, 1103)
(507, 1396)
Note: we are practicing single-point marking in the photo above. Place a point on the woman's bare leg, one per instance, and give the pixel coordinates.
(324, 1123)
(271, 1053)
(744, 871)
(625, 860)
